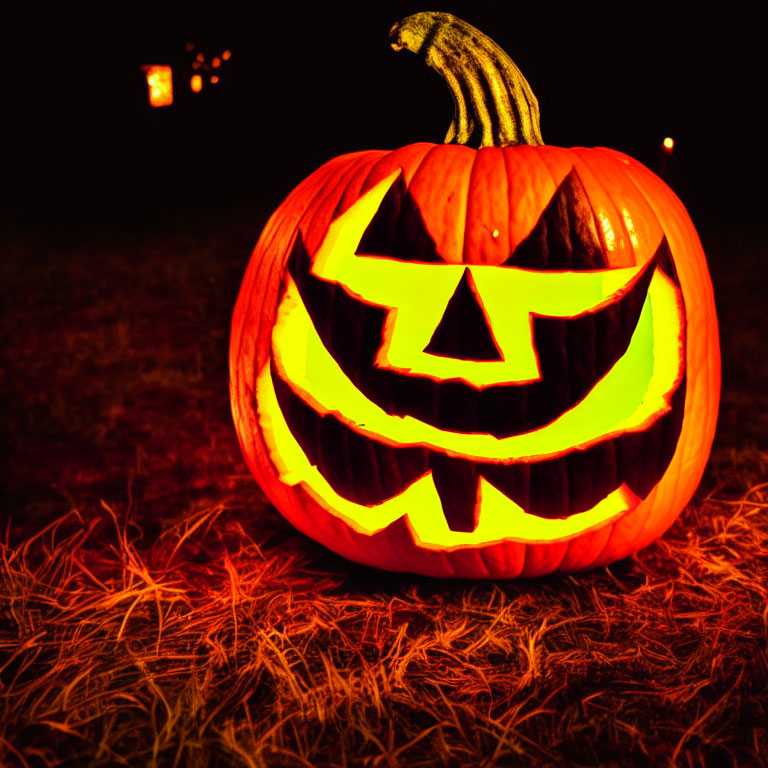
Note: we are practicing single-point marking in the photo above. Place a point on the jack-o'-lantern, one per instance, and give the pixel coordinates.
(477, 363)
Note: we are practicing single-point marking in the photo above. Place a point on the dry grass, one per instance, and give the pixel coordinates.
(154, 611)
(209, 644)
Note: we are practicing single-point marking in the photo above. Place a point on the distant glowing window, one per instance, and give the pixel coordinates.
(215, 62)
(160, 84)
(227, 55)
(214, 79)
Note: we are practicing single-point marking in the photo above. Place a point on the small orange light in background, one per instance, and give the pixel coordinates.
(196, 83)
(227, 55)
(200, 57)
(216, 62)
(668, 145)
(160, 84)
(214, 79)
(189, 47)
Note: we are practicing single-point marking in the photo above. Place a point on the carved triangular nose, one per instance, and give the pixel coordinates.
(463, 332)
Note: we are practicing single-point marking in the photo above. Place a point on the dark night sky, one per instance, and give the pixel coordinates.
(307, 82)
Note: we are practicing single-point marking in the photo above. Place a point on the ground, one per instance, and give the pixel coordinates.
(157, 611)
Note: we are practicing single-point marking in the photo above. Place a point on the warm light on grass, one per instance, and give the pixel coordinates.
(206, 643)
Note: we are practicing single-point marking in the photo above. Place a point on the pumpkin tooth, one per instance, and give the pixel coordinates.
(456, 482)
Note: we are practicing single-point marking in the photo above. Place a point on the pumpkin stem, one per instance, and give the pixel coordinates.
(490, 95)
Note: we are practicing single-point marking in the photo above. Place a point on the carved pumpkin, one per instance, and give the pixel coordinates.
(477, 363)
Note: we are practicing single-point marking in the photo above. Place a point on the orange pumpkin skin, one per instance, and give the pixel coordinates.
(480, 205)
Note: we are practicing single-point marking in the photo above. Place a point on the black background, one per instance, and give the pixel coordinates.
(83, 149)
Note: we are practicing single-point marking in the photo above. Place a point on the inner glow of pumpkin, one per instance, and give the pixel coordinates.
(632, 395)
(499, 518)
(416, 295)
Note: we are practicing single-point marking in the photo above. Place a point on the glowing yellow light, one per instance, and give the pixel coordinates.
(216, 62)
(632, 395)
(668, 145)
(214, 79)
(227, 55)
(499, 518)
(196, 83)
(160, 84)
(509, 296)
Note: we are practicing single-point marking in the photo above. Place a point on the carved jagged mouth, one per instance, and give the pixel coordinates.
(551, 474)
(367, 467)
(368, 472)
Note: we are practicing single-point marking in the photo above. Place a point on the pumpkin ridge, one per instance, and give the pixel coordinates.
(353, 187)
(465, 198)
(319, 210)
(585, 158)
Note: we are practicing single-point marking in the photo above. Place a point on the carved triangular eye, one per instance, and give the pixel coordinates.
(664, 261)
(463, 332)
(565, 236)
(397, 230)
